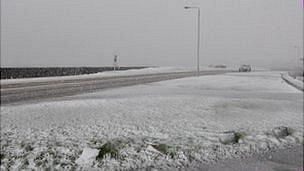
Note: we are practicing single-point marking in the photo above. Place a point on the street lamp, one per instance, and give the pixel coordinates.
(298, 54)
(298, 50)
(198, 36)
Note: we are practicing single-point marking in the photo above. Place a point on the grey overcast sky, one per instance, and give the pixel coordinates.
(264, 33)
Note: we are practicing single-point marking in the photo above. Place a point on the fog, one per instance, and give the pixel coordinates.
(264, 33)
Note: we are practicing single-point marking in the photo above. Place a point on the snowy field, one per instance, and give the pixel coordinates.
(164, 125)
(106, 74)
(155, 70)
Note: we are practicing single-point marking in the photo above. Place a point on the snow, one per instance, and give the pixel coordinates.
(154, 70)
(88, 155)
(294, 82)
(253, 82)
(98, 75)
(189, 115)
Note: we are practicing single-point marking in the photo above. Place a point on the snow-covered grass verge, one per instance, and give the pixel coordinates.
(153, 70)
(105, 74)
(294, 82)
(164, 125)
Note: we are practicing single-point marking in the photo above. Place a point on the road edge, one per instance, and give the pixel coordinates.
(295, 83)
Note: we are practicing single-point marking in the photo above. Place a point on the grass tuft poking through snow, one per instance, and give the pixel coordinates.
(164, 126)
(238, 136)
(232, 137)
(108, 149)
(165, 149)
(282, 131)
(1, 156)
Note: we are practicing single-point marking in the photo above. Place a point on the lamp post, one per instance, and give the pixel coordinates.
(298, 53)
(198, 36)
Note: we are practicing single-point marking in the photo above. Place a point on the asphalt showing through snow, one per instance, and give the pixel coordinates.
(191, 116)
(14, 93)
(290, 159)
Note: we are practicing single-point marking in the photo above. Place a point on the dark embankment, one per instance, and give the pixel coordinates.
(10, 73)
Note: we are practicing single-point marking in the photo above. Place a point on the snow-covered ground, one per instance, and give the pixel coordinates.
(152, 70)
(163, 125)
(296, 82)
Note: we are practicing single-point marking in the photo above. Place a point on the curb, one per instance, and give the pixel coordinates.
(295, 83)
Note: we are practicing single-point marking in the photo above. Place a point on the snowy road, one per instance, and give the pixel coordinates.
(162, 125)
(23, 91)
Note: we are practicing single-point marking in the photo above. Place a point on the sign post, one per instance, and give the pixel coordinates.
(115, 65)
